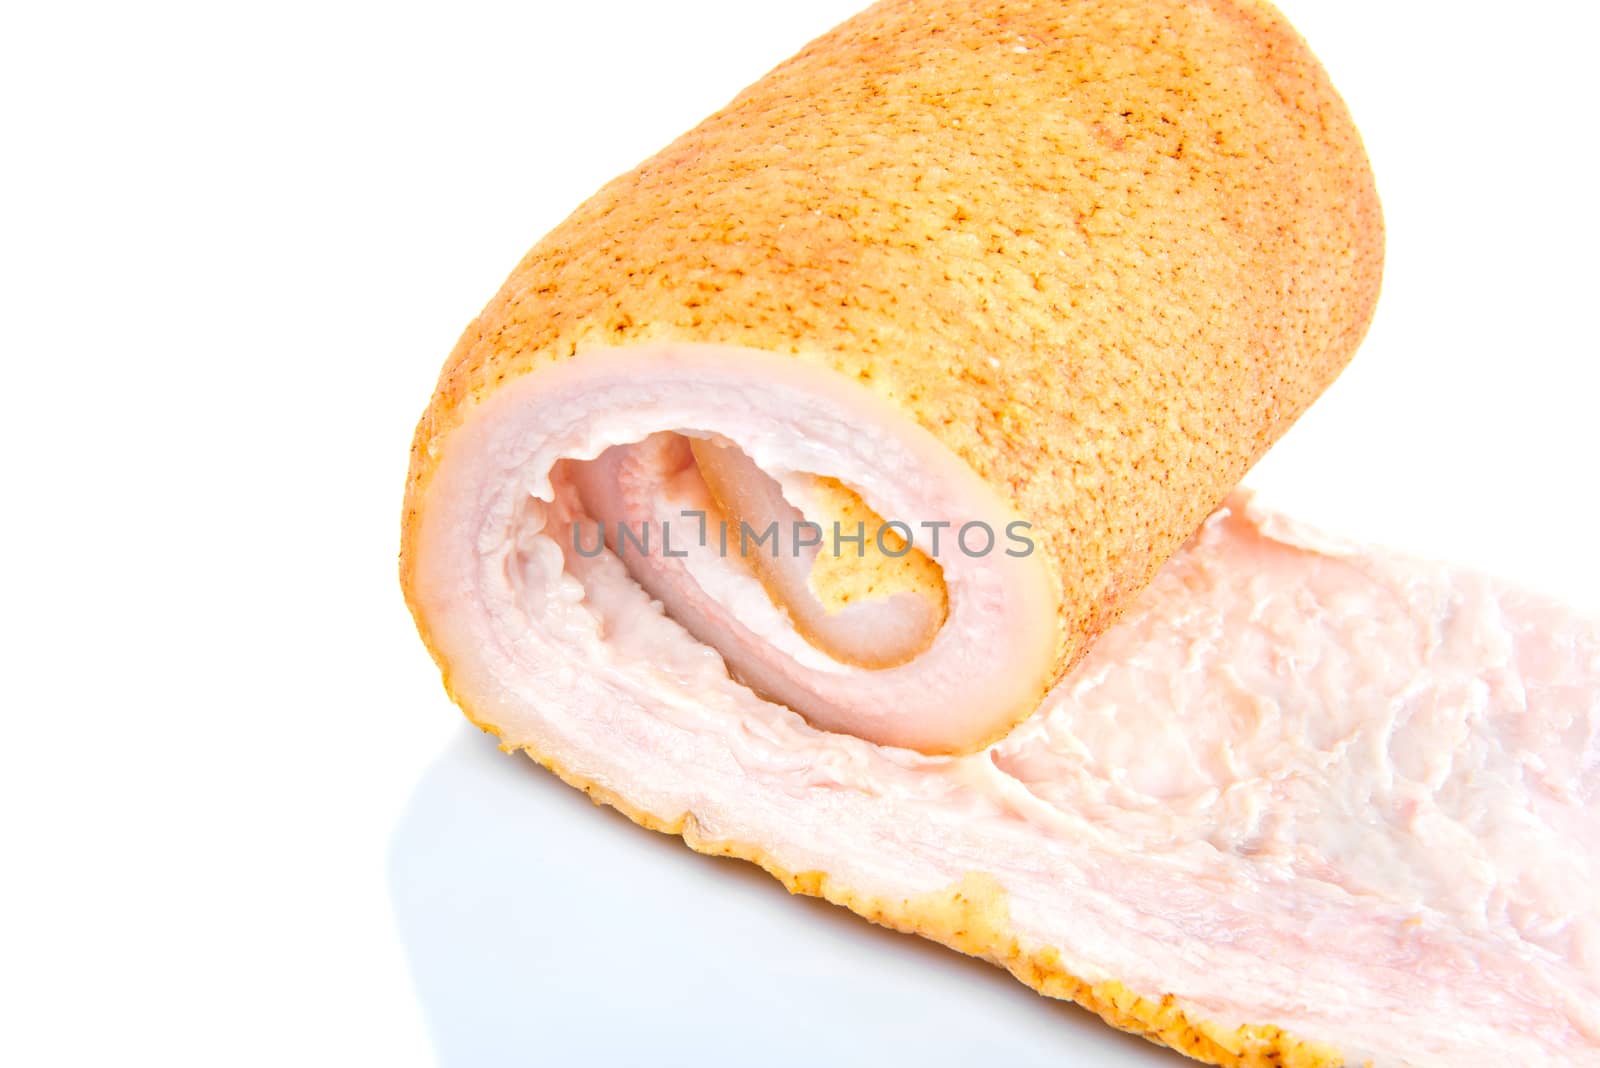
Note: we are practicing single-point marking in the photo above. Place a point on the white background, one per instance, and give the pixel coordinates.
(241, 822)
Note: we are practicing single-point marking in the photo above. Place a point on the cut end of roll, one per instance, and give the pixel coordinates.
(639, 514)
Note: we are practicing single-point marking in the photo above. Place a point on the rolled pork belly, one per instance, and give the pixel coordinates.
(781, 492)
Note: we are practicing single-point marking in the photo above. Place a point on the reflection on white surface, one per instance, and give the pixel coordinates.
(542, 929)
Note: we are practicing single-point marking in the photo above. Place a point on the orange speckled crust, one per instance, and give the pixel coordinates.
(841, 575)
(1106, 251)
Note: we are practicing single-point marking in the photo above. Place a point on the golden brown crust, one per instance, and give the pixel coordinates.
(1107, 252)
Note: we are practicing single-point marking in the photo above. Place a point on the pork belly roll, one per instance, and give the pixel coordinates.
(784, 481)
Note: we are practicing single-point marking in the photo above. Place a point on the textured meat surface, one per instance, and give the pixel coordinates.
(1375, 778)
(1305, 804)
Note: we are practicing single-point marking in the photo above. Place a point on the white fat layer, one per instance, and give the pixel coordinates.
(1301, 784)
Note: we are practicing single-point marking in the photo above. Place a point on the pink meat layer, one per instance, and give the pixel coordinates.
(1301, 783)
